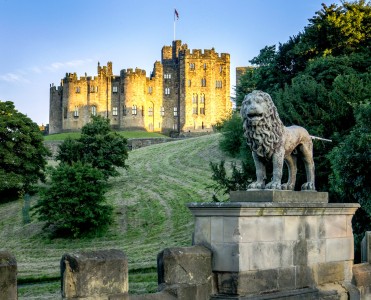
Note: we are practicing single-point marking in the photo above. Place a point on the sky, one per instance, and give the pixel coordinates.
(42, 40)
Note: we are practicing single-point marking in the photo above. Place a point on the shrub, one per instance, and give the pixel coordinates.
(74, 204)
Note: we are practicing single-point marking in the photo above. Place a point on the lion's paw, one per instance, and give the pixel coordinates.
(308, 186)
(256, 185)
(273, 185)
(287, 187)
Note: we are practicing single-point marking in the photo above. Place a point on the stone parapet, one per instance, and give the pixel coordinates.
(185, 273)
(95, 275)
(8, 276)
(261, 247)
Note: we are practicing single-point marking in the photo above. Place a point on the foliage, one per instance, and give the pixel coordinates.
(74, 204)
(98, 146)
(77, 185)
(239, 178)
(22, 152)
(233, 140)
(351, 160)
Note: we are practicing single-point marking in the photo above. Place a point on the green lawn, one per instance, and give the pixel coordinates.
(127, 134)
(150, 215)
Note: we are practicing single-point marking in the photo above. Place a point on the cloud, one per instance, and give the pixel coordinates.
(21, 75)
(69, 64)
(13, 77)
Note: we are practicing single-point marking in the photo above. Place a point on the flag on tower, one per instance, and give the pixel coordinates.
(176, 14)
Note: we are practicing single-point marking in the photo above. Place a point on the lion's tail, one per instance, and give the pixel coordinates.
(319, 138)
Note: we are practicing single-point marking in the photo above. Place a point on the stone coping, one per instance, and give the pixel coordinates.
(279, 196)
(231, 209)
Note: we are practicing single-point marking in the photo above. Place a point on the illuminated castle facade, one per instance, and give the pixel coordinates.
(186, 91)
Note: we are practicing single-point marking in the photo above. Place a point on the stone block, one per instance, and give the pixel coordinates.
(97, 274)
(8, 276)
(247, 283)
(329, 272)
(366, 247)
(362, 279)
(279, 196)
(336, 226)
(186, 265)
(226, 257)
(269, 255)
(298, 294)
(217, 230)
(263, 229)
(304, 276)
(339, 249)
(202, 232)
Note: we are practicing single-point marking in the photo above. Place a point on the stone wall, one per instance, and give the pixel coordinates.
(8, 276)
(132, 143)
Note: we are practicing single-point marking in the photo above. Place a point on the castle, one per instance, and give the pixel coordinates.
(186, 91)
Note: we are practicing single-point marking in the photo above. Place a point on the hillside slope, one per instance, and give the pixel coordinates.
(150, 211)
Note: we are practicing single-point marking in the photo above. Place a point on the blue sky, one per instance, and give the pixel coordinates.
(42, 40)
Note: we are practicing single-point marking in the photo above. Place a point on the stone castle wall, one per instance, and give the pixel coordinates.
(186, 91)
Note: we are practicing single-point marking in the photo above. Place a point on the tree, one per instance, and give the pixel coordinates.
(74, 204)
(22, 152)
(98, 146)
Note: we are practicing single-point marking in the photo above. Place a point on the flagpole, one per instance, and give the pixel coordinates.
(174, 23)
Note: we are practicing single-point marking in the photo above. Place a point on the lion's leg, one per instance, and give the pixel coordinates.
(292, 168)
(277, 159)
(261, 175)
(307, 151)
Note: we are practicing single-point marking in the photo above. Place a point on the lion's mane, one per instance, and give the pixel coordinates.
(266, 136)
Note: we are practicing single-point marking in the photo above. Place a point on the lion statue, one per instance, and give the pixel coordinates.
(270, 140)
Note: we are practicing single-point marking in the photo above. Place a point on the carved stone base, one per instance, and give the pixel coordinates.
(265, 247)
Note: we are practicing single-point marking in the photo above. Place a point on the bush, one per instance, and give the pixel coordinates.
(74, 204)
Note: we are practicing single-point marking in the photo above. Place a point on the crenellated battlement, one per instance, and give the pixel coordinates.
(131, 72)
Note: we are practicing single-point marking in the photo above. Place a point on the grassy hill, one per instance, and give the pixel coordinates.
(126, 134)
(150, 215)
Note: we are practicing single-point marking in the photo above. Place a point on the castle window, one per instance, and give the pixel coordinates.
(77, 89)
(114, 111)
(167, 91)
(94, 110)
(205, 65)
(150, 90)
(189, 82)
(96, 89)
(76, 112)
(162, 111)
(202, 100)
(92, 89)
(114, 89)
(221, 68)
(134, 110)
(124, 110)
(150, 111)
(191, 66)
(65, 112)
(167, 76)
(195, 110)
(202, 110)
(203, 82)
(142, 111)
(194, 99)
(175, 111)
(218, 84)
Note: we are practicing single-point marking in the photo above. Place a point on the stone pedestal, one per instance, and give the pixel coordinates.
(261, 247)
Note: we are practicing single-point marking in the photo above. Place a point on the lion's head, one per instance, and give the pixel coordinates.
(262, 125)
